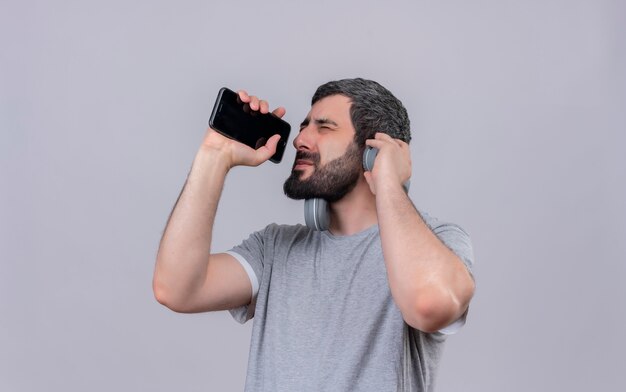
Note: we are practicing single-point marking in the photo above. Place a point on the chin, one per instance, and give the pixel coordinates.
(303, 174)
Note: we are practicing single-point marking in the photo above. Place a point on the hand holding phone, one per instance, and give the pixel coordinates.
(248, 121)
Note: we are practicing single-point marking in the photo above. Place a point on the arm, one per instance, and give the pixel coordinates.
(187, 277)
(429, 283)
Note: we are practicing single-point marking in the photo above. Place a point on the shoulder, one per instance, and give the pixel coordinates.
(439, 226)
(453, 236)
(284, 231)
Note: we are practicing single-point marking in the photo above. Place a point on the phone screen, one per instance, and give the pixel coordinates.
(235, 119)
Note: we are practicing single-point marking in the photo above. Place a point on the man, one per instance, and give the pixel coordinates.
(363, 306)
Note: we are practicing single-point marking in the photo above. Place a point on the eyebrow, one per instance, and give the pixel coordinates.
(319, 121)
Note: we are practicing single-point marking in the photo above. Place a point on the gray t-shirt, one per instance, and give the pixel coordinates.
(324, 317)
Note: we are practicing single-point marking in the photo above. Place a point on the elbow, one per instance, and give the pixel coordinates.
(162, 288)
(165, 297)
(439, 303)
(431, 313)
(160, 294)
(159, 287)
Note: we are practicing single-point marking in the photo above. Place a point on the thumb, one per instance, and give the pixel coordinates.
(272, 143)
(265, 152)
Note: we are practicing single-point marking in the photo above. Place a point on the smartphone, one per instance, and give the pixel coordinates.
(234, 119)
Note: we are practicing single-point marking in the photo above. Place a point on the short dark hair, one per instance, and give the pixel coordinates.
(374, 108)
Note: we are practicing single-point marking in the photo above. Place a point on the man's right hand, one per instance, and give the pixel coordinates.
(235, 153)
(187, 276)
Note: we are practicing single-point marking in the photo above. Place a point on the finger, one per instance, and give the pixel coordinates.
(254, 102)
(243, 95)
(272, 142)
(382, 136)
(264, 106)
(375, 143)
(402, 143)
(265, 152)
(280, 111)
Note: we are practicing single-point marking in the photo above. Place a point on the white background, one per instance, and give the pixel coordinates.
(518, 119)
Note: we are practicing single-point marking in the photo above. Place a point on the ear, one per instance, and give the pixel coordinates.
(368, 179)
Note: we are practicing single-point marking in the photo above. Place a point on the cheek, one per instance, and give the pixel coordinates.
(332, 151)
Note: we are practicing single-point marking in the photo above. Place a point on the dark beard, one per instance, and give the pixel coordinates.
(330, 182)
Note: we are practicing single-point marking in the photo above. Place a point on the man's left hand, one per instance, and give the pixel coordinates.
(392, 167)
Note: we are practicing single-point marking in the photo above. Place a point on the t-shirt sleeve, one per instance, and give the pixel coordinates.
(458, 241)
(250, 255)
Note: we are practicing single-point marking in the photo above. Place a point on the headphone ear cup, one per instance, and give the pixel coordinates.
(369, 155)
(316, 214)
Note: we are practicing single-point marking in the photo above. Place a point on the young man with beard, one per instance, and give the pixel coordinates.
(363, 306)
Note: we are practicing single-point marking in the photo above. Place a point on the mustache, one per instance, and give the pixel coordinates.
(309, 156)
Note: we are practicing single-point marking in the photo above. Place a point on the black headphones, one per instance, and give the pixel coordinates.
(316, 211)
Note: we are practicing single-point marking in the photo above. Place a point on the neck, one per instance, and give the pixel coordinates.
(355, 212)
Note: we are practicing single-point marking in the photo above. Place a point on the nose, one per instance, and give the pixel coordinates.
(304, 139)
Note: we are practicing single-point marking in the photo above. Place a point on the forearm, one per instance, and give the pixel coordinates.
(184, 250)
(428, 282)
